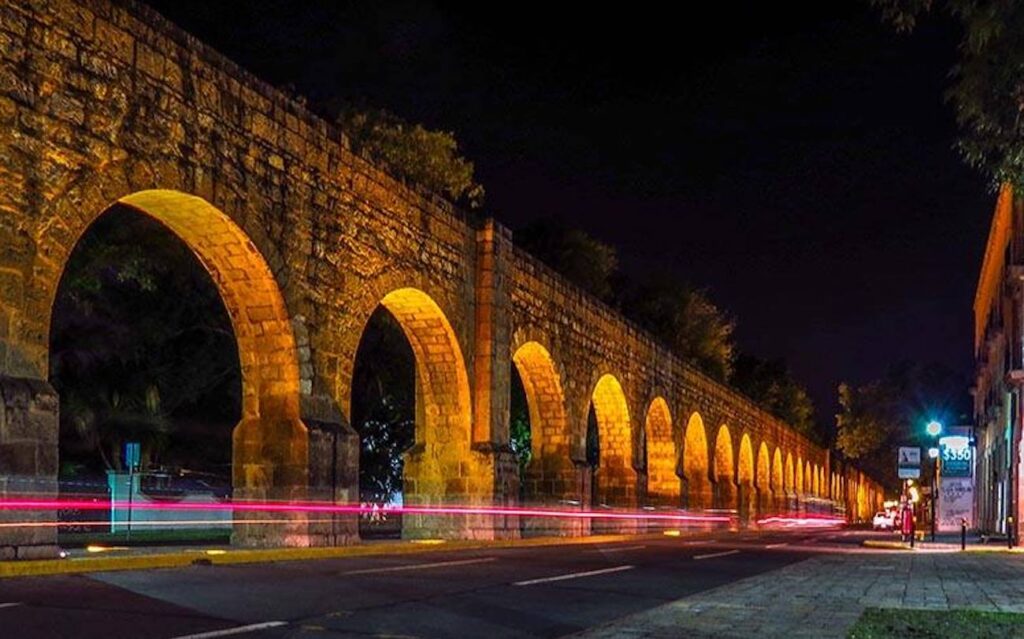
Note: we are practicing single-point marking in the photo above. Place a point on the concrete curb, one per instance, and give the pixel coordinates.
(885, 545)
(228, 556)
(923, 546)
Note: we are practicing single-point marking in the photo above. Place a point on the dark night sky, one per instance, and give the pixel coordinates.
(799, 165)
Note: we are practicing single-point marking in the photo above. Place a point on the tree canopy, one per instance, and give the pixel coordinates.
(428, 158)
(770, 383)
(877, 417)
(586, 261)
(688, 321)
(987, 92)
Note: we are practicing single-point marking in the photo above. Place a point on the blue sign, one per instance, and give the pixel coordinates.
(132, 455)
(957, 456)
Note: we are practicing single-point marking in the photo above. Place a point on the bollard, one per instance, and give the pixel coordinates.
(913, 534)
(1009, 532)
(963, 533)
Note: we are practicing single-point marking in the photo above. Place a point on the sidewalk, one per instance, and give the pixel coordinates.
(824, 596)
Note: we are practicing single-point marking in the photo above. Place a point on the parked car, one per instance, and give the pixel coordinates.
(884, 521)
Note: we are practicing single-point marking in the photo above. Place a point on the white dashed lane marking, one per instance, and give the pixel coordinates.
(573, 575)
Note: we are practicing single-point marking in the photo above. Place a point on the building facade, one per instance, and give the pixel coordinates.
(999, 370)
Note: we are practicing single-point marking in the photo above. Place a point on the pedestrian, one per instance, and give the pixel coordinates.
(907, 525)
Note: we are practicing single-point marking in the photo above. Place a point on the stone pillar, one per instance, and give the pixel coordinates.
(724, 493)
(29, 435)
(553, 482)
(270, 464)
(491, 382)
(333, 471)
(746, 504)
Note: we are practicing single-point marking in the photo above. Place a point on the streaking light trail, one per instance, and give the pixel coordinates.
(357, 509)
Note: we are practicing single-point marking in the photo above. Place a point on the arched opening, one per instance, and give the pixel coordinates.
(808, 479)
(745, 478)
(254, 381)
(778, 480)
(862, 502)
(615, 478)
(798, 480)
(438, 468)
(790, 476)
(540, 436)
(725, 484)
(764, 473)
(383, 413)
(663, 486)
(695, 464)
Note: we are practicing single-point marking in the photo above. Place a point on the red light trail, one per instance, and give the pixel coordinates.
(356, 509)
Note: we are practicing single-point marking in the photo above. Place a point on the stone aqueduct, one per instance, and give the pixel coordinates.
(105, 103)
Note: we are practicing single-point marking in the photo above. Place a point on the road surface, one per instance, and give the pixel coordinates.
(548, 591)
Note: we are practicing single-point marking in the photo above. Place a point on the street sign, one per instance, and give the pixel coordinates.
(132, 455)
(908, 462)
(910, 456)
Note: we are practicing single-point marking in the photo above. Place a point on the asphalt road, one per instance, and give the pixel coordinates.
(494, 593)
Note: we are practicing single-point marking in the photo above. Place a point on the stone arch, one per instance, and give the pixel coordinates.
(745, 467)
(615, 478)
(798, 480)
(763, 478)
(695, 463)
(440, 467)
(808, 479)
(790, 476)
(724, 469)
(778, 476)
(550, 473)
(662, 481)
(764, 472)
(270, 445)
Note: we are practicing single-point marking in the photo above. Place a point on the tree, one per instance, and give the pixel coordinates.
(586, 261)
(688, 321)
(770, 383)
(988, 84)
(428, 158)
(877, 417)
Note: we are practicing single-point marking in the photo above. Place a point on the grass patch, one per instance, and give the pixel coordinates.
(147, 537)
(885, 623)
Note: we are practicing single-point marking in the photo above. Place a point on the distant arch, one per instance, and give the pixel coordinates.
(790, 477)
(778, 475)
(662, 481)
(763, 468)
(695, 462)
(723, 454)
(745, 469)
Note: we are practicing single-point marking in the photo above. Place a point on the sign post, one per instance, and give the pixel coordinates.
(132, 457)
(956, 480)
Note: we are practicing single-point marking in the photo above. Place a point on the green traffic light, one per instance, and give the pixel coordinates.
(933, 428)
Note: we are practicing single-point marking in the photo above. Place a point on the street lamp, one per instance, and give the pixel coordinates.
(934, 429)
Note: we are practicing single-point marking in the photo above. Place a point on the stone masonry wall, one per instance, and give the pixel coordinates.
(105, 102)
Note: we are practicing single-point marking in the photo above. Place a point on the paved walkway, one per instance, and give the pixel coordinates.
(824, 596)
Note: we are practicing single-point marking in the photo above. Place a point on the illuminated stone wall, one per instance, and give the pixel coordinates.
(106, 102)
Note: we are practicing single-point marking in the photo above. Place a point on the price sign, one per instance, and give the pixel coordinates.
(957, 455)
